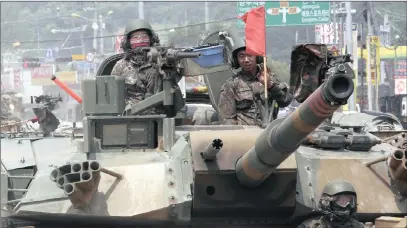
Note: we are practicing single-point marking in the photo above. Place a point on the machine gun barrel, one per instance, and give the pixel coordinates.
(184, 55)
(280, 139)
(170, 55)
(63, 86)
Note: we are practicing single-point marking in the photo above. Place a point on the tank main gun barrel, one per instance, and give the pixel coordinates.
(63, 86)
(279, 140)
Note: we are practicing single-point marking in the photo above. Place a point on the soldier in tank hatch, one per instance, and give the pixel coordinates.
(238, 101)
(142, 79)
(338, 205)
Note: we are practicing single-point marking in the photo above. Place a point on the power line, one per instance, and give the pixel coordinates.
(377, 27)
(42, 20)
(34, 19)
(109, 36)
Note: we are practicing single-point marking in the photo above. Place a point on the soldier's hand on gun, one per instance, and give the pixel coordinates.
(260, 77)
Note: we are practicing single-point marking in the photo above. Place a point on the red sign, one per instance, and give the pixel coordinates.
(17, 78)
(401, 69)
(118, 44)
(41, 74)
(400, 86)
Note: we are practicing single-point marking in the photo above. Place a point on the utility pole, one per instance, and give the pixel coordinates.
(186, 24)
(396, 45)
(207, 16)
(334, 22)
(141, 10)
(362, 70)
(95, 27)
(83, 42)
(296, 37)
(38, 34)
(349, 47)
(101, 27)
(368, 60)
(341, 35)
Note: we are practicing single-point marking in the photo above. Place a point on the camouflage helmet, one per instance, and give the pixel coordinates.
(138, 24)
(338, 186)
(235, 49)
(239, 44)
(341, 199)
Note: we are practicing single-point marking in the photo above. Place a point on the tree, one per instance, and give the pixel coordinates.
(281, 69)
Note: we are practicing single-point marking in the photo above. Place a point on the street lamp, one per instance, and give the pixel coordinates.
(95, 26)
(102, 28)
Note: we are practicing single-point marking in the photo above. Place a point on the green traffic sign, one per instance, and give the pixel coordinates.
(242, 8)
(287, 13)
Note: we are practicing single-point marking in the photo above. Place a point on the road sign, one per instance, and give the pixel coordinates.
(78, 57)
(400, 86)
(325, 33)
(90, 57)
(375, 40)
(375, 59)
(242, 8)
(401, 69)
(297, 13)
(49, 54)
(83, 65)
(41, 75)
(17, 78)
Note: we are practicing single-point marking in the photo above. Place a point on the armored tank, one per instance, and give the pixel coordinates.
(147, 171)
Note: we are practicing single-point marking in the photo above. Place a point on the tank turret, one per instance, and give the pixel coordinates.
(279, 140)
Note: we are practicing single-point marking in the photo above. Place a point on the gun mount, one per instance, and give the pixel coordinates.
(46, 119)
(165, 58)
(49, 102)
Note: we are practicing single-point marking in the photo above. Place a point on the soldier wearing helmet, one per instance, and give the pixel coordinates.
(338, 204)
(142, 78)
(241, 95)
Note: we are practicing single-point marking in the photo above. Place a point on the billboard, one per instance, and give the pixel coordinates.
(17, 79)
(42, 75)
(67, 76)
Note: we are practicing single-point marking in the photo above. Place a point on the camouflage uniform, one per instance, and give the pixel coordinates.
(141, 81)
(142, 78)
(237, 101)
(47, 120)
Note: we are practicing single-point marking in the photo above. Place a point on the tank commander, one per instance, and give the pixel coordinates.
(338, 204)
(239, 95)
(142, 79)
